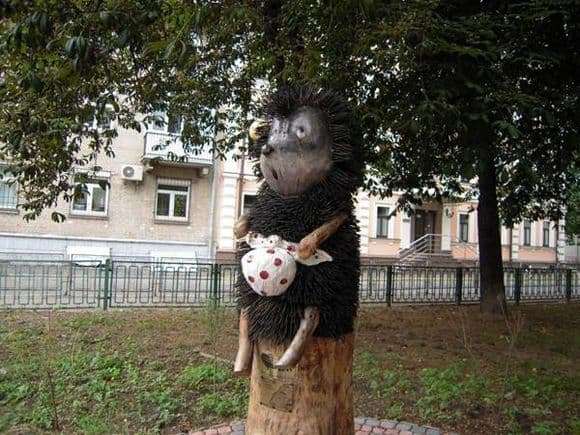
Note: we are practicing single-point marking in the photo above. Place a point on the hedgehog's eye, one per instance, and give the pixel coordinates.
(300, 132)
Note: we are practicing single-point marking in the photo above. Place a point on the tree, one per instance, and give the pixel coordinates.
(488, 92)
(448, 91)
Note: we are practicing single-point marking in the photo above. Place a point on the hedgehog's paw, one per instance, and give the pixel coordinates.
(307, 246)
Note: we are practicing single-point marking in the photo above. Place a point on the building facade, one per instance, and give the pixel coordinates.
(146, 205)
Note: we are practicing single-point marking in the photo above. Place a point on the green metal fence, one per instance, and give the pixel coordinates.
(66, 284)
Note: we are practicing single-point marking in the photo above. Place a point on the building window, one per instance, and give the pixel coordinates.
(104, 120)
(91, 198)
(166, 123)
(382, 221)
(464, 228)
(158, 120)
(546, 234)
(174, 124)
(8, 190)
(527, 233)
(248, 201)
(172, 199)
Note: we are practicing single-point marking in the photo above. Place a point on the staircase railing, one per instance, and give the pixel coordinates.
(430, 246)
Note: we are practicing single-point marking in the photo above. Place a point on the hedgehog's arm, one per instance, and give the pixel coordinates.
(242, 226)
(309, 244)
(295, 350)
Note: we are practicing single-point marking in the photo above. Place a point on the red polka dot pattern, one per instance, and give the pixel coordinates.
(272, 270)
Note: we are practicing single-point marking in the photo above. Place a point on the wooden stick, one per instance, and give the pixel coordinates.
(309, 244)
(294, 352)
(243, 363)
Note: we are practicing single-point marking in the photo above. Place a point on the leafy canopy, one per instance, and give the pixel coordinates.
(426, 77)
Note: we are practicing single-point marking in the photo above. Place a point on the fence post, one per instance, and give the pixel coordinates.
(370, 281)
(458, 285)
(107, 287)
(517, 285)
(389, 284)
(568, 285)
(216, 281)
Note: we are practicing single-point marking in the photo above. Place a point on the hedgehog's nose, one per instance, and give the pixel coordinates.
(267, 149)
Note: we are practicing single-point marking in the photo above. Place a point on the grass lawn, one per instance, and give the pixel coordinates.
(140, 371)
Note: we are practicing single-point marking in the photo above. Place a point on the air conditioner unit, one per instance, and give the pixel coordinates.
(132, 172)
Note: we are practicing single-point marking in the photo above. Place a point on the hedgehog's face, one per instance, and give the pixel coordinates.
(297, 153)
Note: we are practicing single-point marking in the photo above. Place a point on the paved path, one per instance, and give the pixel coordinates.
(362, 426)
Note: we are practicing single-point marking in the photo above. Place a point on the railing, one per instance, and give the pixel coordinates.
(65, 284)
(430, 247)
(169, 147)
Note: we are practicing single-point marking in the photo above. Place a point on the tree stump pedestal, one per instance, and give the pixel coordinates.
(313, 398)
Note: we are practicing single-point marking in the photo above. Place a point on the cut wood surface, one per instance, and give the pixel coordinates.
(313, 398)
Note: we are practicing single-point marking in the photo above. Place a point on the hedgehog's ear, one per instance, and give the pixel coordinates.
(258, 129)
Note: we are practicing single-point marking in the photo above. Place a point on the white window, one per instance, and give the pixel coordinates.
(8, 190)
(527, 232)
(383, 222)
(91, 198)
(172, 199)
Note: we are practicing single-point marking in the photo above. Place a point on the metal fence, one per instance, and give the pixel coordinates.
(65, 284)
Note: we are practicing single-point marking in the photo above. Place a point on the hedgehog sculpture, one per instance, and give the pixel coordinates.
(300, 254)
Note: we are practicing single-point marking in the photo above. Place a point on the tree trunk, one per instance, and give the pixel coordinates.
(314, 398)
(490, 260)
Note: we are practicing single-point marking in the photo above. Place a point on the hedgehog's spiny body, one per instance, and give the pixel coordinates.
(332, 287)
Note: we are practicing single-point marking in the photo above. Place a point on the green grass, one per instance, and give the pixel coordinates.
(78, 383)
(139, 372)
(542, 402)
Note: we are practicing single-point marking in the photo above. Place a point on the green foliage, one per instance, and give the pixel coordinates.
(545, 428)
(223, 404)
(194, 376)
(448, 391)
(432, 81)
(573, 211)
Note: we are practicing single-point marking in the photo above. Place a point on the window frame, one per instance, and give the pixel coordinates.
(527, 232)
(172, 194)
(546, 232)
(460, 227)
(14, 185)
(91, 183)
(379, 220)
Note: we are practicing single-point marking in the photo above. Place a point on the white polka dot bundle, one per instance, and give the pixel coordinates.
(270, 267)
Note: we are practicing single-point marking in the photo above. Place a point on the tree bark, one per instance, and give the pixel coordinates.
(490, 260)
(314, 398)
